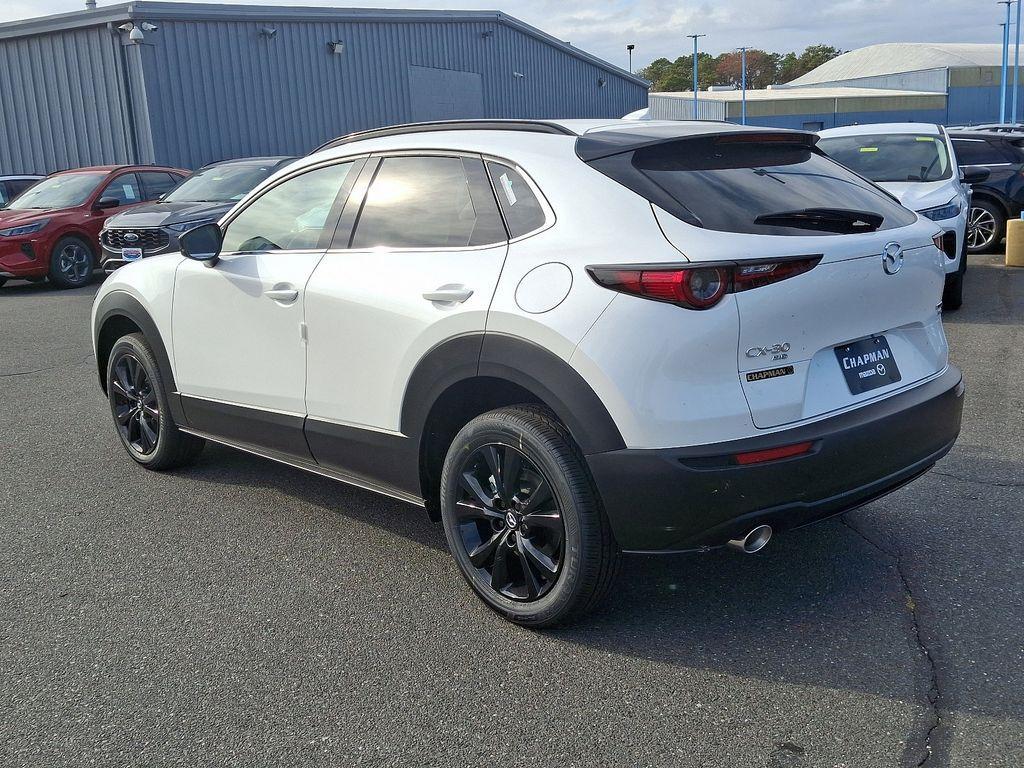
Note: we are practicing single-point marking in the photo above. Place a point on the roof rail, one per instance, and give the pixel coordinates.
(530, 126)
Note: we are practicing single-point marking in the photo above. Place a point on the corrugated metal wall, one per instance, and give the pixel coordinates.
(681, 108)
(223, 89)
(61, 102)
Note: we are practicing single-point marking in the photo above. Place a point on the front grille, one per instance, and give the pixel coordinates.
(148, 239)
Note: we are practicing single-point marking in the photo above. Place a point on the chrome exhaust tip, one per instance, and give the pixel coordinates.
(756, 540)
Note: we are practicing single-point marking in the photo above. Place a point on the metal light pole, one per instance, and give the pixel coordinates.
(1016, 64)
(743, 83)
(695, 70)
(629, 50)
(1006, 52)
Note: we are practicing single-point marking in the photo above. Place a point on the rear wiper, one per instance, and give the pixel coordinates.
(837, 220)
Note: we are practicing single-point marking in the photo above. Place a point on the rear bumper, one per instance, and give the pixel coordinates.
(697, 497)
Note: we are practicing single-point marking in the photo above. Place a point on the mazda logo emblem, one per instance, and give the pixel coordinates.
(892, 258)
(130, 237)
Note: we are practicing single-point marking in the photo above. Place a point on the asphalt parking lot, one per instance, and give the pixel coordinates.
(243, 613)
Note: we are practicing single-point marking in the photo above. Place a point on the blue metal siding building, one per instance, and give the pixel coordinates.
(218, 81)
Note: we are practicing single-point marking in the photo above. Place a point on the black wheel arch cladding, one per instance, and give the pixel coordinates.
(498, 356)
(118, 307)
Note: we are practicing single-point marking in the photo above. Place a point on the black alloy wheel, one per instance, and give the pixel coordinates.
(135, 404)
(141, 409)
(523, 519)
(509, 522)
(71, 263)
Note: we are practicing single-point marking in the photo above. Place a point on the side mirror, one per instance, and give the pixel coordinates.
(107, 202)
(974, 174)
(202, 243)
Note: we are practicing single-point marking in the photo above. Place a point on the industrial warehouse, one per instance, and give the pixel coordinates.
(148, 82)
(949, 84)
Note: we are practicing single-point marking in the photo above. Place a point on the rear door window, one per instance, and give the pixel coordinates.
(522, 210)
(978, 152)
(125, 189)
(428, 202)
(773, 187)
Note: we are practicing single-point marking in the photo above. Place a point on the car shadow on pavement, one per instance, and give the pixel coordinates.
(817, 607)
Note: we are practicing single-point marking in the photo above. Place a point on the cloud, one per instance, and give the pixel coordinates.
(659, 27)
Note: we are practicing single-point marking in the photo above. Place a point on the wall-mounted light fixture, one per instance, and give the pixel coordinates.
(518, 74)
(336, 47)
(601, 82)
(148, 27)
(268, 32)
(487, 33)
(134, 33)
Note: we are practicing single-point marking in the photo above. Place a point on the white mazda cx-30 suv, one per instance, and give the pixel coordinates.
(564, 339)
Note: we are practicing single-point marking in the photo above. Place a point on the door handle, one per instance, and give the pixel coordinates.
(282, 294)
(449, 294)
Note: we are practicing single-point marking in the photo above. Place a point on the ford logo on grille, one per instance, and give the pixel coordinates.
(130, 237)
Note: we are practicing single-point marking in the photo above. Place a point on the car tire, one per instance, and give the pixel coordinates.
(140, 408)
(537, 548)
(986, 225)
(71, 263)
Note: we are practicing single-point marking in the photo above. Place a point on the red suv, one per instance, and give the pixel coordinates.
(52, 229)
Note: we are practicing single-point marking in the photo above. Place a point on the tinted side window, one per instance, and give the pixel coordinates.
(5, 194)
(521, 208)
(156, 184)
(125, 189)
(428, 202)
(977, 152)
(289, 216)
(17, 186)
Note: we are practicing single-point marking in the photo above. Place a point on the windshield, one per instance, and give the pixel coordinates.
(891, 157)
(64, 191)
(219, 184)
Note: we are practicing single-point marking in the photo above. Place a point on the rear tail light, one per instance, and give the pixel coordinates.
(698, 286)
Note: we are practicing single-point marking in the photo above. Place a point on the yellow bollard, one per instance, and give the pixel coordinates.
(1015, 243)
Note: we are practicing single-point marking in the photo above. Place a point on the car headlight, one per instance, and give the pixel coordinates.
(947, 211)
(185, 226)
(24, 229)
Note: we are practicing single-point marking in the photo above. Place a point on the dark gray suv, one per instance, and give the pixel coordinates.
(149, 230)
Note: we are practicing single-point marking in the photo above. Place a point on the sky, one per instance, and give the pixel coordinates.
(658, 27)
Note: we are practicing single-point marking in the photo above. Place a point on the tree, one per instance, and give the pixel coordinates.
(763, 68)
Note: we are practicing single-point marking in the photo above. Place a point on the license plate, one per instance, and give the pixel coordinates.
(867, 364)
(131, 254)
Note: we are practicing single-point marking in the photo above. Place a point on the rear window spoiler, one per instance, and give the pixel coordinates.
(600, 144)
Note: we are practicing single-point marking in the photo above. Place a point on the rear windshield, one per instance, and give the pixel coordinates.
(891, 157)
(765, 188)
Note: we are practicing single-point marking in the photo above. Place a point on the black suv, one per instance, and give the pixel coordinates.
(1001, 196)
(209, 193)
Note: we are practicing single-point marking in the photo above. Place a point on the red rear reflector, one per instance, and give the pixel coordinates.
(773, 454)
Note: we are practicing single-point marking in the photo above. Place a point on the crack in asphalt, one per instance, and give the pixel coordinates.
(53, 367)
(934, 695)
(989, 483)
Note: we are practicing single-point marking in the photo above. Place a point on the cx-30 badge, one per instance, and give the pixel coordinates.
(775, 351)
(892, 258)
